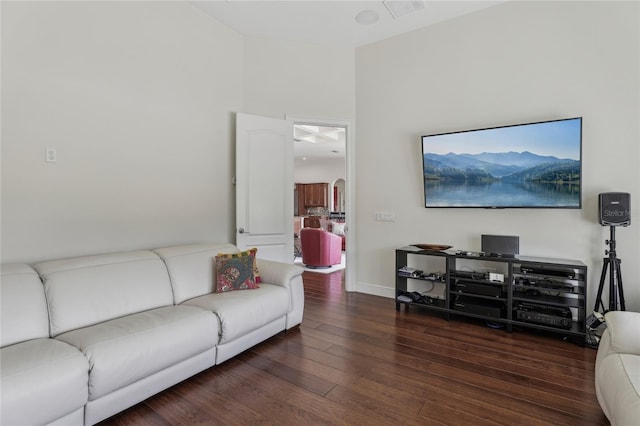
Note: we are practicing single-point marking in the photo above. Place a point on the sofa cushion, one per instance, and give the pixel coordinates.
(127, 349)
(23, 307)
(87, 290)
(241, 312)
(236, 271)
(191, 268)
(42, 381)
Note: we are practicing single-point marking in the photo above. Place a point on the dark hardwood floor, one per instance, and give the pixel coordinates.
(356, 361)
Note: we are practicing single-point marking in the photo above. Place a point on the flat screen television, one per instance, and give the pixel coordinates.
(532, 165)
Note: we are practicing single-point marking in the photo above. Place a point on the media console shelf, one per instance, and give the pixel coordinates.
(518, 292)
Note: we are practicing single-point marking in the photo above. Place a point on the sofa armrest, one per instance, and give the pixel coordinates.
(278, 273)
(624, 331)
(287, 276)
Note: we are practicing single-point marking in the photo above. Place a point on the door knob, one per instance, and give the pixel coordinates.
(241, 231)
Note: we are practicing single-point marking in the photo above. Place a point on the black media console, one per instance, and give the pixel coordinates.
(511, 292)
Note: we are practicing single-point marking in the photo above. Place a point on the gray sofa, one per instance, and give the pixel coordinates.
(618, 368)
(87, 337)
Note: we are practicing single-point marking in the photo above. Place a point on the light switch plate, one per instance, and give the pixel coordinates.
(386, 216)
(51, 156)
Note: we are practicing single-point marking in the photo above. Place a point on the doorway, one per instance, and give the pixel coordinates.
(322, 154)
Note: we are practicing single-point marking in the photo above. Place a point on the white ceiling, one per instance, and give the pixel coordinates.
(331, 22)
(318, 142)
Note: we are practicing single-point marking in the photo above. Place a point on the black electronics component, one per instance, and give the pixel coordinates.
(500, 244)
(414, 297)
(471, 253)
(478, 288)
(487, 308)
(614, 208)
(434, 276)
(543, 283)
(409, 272)
(564, 273)
(595, 320)
(559, 317)
(469, 274)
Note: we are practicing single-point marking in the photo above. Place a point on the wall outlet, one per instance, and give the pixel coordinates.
(51, 156)
(385, 216)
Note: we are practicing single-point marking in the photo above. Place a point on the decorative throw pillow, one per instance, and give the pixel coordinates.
(236, 271)
(256, 273)
(254, 252)
(337, 228)
(325, 224)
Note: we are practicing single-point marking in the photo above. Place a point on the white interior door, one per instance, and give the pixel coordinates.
(264, 186)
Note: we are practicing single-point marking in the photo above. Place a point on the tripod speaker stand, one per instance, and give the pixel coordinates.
(611, 264)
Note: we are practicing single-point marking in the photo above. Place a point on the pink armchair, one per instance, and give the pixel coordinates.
(320, 248)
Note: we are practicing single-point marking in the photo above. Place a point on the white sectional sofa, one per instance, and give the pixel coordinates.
(43, 380)
(618, 368)
(110, 330)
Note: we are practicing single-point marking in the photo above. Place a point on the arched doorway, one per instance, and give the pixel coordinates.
(338, 200)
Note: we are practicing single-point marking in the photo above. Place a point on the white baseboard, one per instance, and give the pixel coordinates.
(376, 290)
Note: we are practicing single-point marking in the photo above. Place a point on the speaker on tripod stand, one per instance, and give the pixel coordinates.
(614, 210)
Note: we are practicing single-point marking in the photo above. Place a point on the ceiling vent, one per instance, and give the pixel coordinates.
(398, 8)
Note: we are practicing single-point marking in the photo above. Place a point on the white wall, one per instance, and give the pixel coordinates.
(298, 79)
(513, 63)
(137, 99)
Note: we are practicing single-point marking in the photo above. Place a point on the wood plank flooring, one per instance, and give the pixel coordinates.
(356, 361)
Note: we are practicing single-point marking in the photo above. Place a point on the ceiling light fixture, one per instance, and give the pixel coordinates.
(398, 8)
(367, 17)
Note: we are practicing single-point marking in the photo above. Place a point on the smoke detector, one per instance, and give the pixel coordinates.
(367, 17)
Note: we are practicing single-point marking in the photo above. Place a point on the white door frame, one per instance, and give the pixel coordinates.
(350, 211)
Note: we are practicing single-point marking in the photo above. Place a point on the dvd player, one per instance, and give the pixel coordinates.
(565, 273)
(478, 288)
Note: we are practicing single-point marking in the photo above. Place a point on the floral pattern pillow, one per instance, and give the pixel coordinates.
(237, 271)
